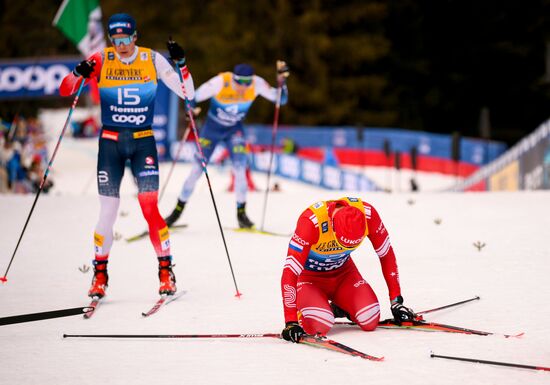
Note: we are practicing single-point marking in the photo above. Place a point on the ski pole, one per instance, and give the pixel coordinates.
(130, 336)
(188, 108)
(478, 361)
(75, 101)
(420, 318)
(315, 341)
(43, 315)
(448, 306)
(272, 147)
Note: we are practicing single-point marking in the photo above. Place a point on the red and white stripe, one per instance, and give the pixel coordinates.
(318, 314)
(384, 248)
(293, 264)
(368, 314)
(314, 220)
(367, 210)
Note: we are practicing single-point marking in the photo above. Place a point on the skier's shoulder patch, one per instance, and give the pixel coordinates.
(318, 205)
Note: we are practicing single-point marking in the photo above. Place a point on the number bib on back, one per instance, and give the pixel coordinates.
(128, 91)
(327, 254)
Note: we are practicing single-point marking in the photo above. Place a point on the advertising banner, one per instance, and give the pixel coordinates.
(314, 173)
(32, 79)
(41, 77)
(506, 179)
(533, 166)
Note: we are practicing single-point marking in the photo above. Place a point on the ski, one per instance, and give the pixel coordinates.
(324, 343)
(434, 326)
(162, 301)
(42, 315)
(315, 341)
(142, 235)
(94, 303)
(254, 230)
(479, 361)
(421, 325)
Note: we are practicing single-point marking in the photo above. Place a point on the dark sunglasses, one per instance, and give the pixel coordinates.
(243, 80)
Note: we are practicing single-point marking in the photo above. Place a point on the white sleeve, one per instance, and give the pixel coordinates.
(209, 89)
(264, 89)
(172, 80)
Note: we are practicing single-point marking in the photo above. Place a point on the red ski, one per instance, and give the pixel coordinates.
(433, 327)
(163, 300)
(437, 327)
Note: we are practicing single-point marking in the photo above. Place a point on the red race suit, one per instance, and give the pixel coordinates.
(318, 270)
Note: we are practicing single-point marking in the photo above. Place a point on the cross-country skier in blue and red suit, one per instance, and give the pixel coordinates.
(320, 280)
(127, 78)
(232, 95)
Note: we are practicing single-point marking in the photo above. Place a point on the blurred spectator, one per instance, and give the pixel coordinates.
(289, 146)
(35, 175)
(23, 158)
(16, 172)
(86, 128)
(3, 170)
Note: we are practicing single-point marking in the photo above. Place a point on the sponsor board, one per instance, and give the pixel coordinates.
(33, 79)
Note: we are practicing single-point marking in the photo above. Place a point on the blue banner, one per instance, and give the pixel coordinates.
(34, 78)
(314, 173)
(41, 77)
(474, 151)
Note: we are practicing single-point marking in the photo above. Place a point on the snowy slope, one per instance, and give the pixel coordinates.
(438, 265)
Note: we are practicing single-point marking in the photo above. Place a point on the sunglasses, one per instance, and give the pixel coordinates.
(122, 40)
(243, 80)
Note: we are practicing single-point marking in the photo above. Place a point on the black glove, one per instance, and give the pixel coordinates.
(177, 54)
(401, 313)
(84, 68)
(293, 332)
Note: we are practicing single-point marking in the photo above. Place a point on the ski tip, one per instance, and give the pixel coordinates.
(88, 309)
(4, 279)
(518, 335)
(64, 336)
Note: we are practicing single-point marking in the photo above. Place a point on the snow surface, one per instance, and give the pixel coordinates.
(438, 265)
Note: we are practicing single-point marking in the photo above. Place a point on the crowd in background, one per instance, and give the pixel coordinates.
(23, 156)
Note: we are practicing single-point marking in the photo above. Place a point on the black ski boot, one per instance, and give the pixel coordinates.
(244, 221)
(174, 216)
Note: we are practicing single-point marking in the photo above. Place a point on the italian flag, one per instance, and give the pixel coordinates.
(80, 21)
